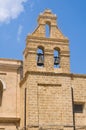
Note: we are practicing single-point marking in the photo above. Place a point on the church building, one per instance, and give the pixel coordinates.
(40, 92)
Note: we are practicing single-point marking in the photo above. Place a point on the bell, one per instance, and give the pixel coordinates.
(40, 60)
(56, 60)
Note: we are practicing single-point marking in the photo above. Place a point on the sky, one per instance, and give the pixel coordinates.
(18, 18)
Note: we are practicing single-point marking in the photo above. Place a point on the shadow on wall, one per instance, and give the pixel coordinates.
(2, 88)
(1, 92)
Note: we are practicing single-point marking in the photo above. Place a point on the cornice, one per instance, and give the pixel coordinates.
(9, 67)
(46, 73)
(47, 17)
(37, 39)
(9, 119)
(1, 73)
(7, 59)
(78, 75)
(71, 75)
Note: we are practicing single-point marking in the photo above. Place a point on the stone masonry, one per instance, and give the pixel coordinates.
(40, 92)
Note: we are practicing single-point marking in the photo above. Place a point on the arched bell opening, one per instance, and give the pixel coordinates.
(47, 29)
(56, 57)
(1, 92)
(40, 56)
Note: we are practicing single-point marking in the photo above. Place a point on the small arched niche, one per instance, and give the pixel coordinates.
(40, 56)
(47, 29)
(56, 54)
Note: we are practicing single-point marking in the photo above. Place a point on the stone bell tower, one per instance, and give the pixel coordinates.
(51, 49)
(45, 89)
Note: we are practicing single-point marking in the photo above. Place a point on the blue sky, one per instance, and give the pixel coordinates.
(19, 17)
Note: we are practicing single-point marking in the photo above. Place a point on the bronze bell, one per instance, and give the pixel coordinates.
(56, 60)
(40, 60)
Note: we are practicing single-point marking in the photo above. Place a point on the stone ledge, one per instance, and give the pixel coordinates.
(9, 119)
(9, 66)
(44, 40)
(71, 75)
(43, 84)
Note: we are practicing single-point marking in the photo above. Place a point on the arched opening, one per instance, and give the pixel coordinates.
(56, 58)
(1, 92)
(47, 29)
(40, 56)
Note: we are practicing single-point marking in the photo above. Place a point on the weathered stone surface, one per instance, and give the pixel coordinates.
(42, 97)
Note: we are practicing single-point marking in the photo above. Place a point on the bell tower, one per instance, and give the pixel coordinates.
(47, 53)
(46, 85)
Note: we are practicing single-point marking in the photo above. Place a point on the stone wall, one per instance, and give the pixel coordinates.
(10, 105)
